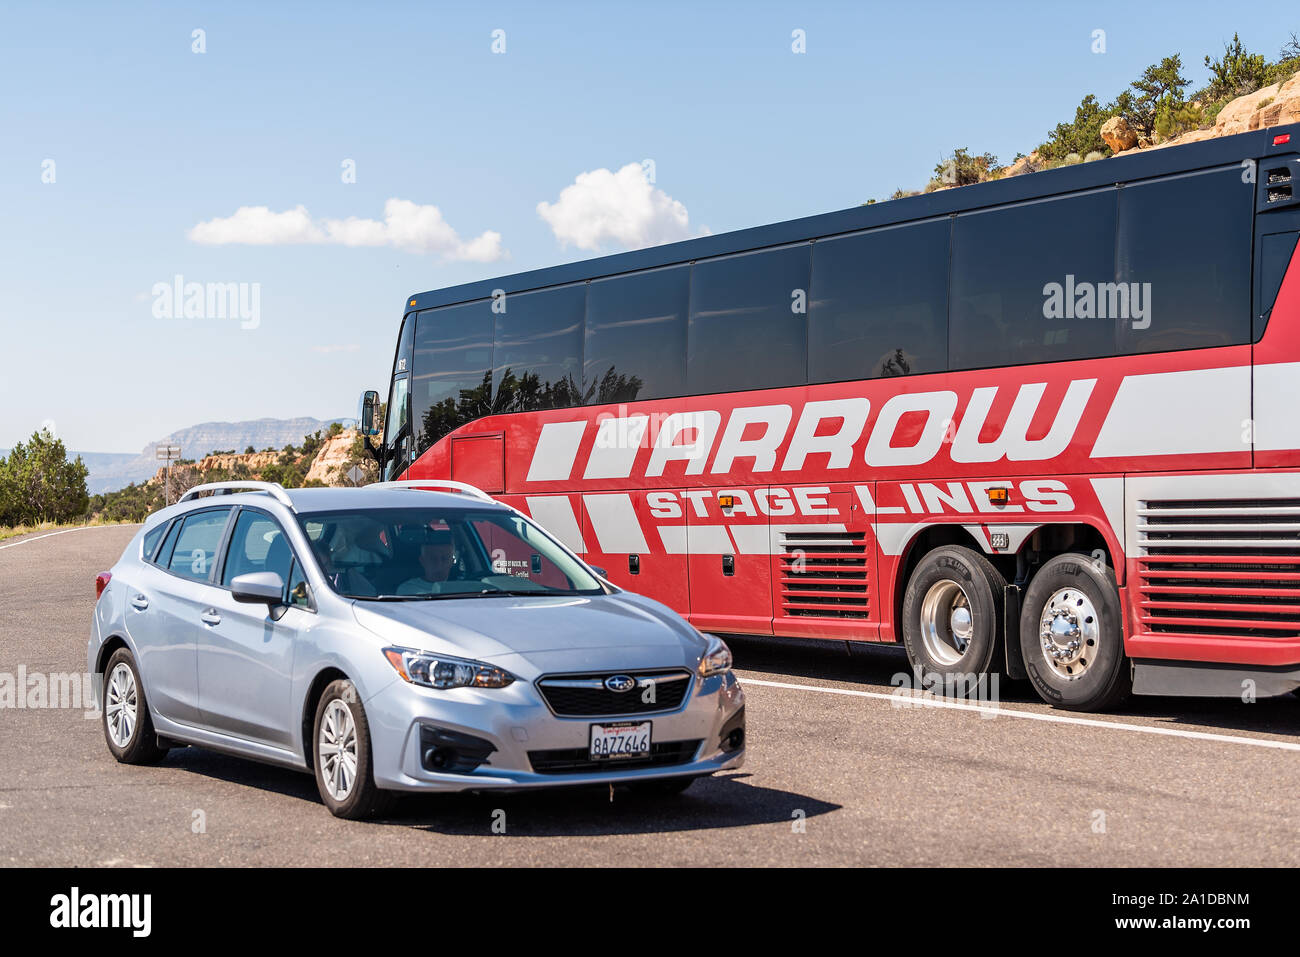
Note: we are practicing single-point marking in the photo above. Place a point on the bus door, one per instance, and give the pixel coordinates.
(639, 538)
(728, 556)
(823, 562)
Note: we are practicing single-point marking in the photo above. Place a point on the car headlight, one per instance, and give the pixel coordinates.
(442, 671)
(716, 660)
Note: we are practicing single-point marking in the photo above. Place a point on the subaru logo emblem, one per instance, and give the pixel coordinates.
(620, 683)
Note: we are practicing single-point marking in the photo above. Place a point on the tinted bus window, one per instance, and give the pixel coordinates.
(451, 375)
(745, 331)
(1026, 281)
(537, 350)
(636, 336)
(879, 304)
(1186, 242)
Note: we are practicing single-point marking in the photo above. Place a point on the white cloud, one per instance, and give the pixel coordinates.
(622, 208)
(406, 225)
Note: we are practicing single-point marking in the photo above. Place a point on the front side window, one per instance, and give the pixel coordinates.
(197, 544)
(397, 434)
(411, 554)
(257, 545)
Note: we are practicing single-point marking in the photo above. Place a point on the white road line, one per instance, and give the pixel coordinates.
(79, 528)
(931, 702)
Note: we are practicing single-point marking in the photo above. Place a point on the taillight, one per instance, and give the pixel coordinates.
(101, 582)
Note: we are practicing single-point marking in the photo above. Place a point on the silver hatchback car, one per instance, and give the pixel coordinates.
(399, 638)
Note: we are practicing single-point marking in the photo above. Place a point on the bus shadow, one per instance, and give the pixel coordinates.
(878, 669)
(717, 802)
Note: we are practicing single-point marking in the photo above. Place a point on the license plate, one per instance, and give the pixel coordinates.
(621, 740)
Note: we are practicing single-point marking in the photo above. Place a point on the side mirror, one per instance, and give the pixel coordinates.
(599, 571)
(366, 413)
(258, 588)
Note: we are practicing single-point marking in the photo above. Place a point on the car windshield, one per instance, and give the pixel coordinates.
(424, 554)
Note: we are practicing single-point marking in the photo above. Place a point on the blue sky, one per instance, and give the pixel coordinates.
(150, 139)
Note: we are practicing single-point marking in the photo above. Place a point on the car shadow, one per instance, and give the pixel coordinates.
(874, 668)
(727, 800)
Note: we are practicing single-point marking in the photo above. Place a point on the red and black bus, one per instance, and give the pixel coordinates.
(1045, 426)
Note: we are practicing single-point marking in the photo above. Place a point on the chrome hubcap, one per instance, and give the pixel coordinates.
(947, 625)
(120, 707)
(1068, 632)
(337, 750)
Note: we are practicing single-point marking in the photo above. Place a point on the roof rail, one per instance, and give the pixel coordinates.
(435, 484)
(274, 489)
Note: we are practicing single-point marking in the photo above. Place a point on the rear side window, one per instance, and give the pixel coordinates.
(1275, 253)
(879, 304)
(151, 540)
(169, 544)
(1027, 282)
(198, 543)
(1185, 246)
(748, 327)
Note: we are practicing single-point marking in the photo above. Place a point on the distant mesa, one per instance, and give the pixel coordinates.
(110, 471)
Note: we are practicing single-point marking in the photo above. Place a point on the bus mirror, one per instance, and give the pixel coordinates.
(366, 413)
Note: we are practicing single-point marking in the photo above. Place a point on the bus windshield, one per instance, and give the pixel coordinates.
(413, 554)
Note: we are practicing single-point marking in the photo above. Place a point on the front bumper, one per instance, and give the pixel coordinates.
(698, 738)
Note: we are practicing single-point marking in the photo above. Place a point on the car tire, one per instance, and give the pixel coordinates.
(341, 755)
(1072, 635)
(952, 620)
(128, 727)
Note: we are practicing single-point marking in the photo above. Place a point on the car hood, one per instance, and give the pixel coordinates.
(553, 633)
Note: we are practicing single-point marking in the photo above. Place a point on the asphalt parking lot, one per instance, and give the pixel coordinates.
(837, 774)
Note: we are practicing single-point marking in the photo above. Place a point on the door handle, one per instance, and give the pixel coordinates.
(210, 617)
(139, 603)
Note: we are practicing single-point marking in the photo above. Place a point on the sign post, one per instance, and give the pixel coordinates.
(168, 454)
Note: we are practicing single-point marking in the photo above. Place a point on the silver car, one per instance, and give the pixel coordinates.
(398, 638)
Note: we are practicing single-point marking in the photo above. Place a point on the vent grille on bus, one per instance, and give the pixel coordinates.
(1275, 183)
(1228, 568)
(824, 574)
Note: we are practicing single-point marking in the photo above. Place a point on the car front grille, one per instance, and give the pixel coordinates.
(585, 695)
(579, 761)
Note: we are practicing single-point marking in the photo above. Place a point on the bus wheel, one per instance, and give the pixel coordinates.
(952, 616)
(1072, 635)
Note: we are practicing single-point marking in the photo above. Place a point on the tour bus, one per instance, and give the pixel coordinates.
(1046, 427)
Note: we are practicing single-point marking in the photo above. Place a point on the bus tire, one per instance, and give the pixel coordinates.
(1072, 635)
(952, 620)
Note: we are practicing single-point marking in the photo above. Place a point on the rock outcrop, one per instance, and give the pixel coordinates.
(332, 460)
(1273, 105)
(1118, 135)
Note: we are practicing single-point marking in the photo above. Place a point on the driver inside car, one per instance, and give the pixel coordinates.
(437, 555)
